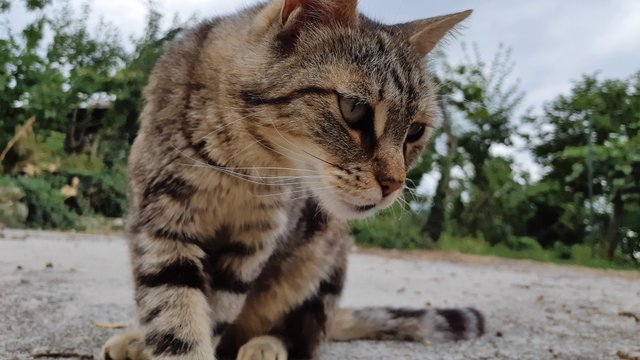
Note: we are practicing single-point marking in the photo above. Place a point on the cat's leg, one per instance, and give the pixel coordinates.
(171, 296)
(126, 346)
(292, 302)
(188, 292)
(305, 326)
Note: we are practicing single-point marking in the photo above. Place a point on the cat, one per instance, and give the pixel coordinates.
(262, 133)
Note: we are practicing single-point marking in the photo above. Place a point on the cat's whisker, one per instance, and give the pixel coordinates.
(301, 191)
(222, 127)
(303, 160)
(405, 202)
(279, 180)
(412, 183)
(402, 209)
(279, 183)
(230, 170)
(305, 191)
(275, 168)
(323, 160)
(324, 190)
(236, 154)
(238, 176)
(298, 155)
(413, 192)
(220, 169)
(303, 150)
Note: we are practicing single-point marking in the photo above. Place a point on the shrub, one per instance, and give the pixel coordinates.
(12, 211)
(562, 251)
(103, 193)
(46, 204)
(388, 232)
(522, 243)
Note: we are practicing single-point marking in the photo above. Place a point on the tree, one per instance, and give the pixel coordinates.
(51, 80)
(598, 124)
(477, 102)
(56, 69)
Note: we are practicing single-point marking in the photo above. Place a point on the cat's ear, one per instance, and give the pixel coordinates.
(425, 34)
(307, 12)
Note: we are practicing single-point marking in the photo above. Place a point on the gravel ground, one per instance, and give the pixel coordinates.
(54, 287)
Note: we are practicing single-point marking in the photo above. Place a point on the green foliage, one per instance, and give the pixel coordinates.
(12, 211)
(577, 254)
(102, 193)
(393, 229)
(46, 204)
(482, 100)
(523, 243)
(84, 88)
(63, 73)
(596, 127)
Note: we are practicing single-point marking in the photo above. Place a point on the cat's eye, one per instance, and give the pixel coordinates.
(353, 111)
(416, 130)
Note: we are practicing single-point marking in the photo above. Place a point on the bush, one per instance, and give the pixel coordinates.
(103, 193)
(389, 232)
(12, 211)
(522, 243)
(562, 251)
(630, 247)
(46, 204)
(496, 233)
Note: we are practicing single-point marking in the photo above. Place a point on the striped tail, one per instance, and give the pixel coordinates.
(422, 325)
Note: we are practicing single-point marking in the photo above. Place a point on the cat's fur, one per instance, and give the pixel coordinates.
(244, 173)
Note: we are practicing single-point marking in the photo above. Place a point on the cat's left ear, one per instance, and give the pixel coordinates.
(300, 12)
(425, 34)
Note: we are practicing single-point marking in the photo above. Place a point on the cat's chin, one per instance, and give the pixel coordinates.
(348, 211)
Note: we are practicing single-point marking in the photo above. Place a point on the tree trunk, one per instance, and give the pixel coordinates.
(435, 224)
(611, 236)
(75, 139)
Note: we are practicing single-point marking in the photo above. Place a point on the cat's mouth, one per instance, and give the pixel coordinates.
(360, 210)
(352, 209)
(364, 208)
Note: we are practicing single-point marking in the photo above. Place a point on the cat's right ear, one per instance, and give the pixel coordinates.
(425, 34)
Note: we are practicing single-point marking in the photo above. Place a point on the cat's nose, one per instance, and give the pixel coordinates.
(389, 185)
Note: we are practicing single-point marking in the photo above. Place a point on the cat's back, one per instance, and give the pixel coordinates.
(184, 81)
(192, 59)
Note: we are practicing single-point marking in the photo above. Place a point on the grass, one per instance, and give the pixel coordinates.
(397, 228)
(559, 254)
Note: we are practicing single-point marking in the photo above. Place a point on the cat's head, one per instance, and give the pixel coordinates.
(343, 98)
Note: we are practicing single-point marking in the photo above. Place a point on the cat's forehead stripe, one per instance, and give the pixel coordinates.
(381, 113)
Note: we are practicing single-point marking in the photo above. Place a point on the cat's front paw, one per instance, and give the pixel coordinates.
(126, 346)
(263, 348)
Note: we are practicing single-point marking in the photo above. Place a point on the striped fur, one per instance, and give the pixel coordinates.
(244, 173)
(423, 325)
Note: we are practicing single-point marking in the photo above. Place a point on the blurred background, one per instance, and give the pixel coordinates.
(537, 154)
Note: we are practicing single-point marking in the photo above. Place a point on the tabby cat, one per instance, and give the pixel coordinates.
(262, 134)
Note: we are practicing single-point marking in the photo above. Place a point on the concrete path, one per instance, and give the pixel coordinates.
(54, 287)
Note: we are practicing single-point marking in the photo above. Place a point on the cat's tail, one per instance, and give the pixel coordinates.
(423, 325)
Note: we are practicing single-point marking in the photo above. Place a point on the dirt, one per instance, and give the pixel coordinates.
(62, 295)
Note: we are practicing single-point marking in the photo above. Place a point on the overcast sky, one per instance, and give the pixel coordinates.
(554, 42)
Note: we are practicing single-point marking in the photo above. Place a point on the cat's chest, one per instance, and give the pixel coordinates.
(251, 212)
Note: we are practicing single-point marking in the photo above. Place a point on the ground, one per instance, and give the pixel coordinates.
(60, 293)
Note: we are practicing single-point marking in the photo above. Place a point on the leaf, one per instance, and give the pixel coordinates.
(111, 326)
(618, 183)
(577, 170)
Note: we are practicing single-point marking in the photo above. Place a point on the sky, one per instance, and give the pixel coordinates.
(553, 42)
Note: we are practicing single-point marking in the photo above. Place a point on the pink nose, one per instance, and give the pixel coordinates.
(389, 186)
